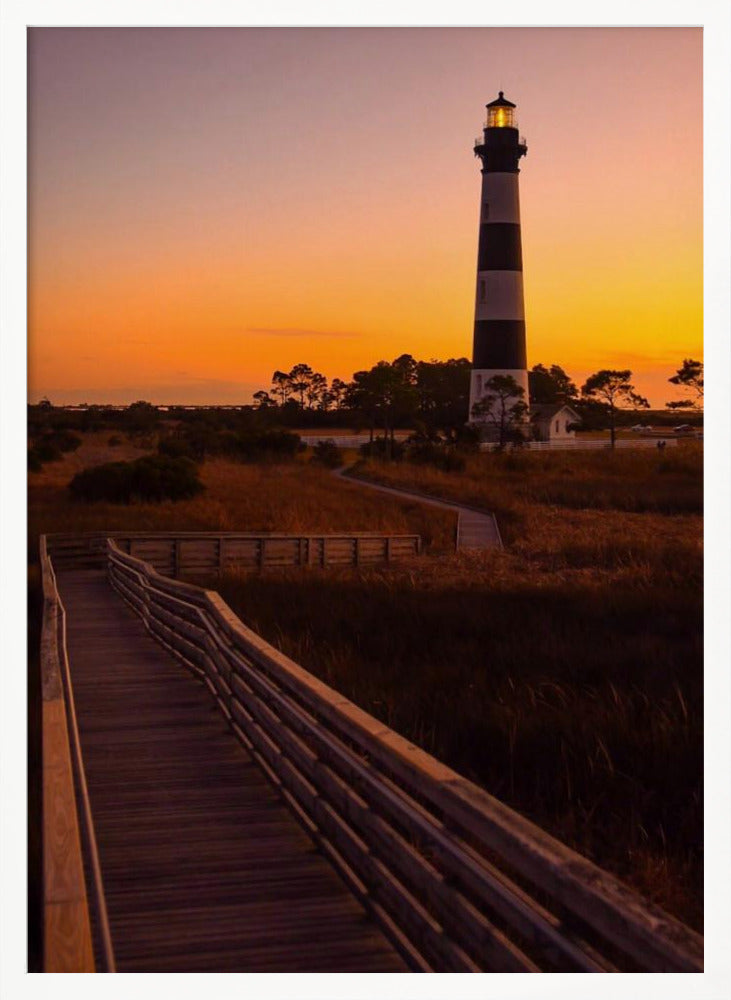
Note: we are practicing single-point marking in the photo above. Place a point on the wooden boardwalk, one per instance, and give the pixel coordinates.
(204, 867)
(476, 530)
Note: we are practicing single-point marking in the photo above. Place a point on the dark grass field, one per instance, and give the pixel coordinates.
(563, 674)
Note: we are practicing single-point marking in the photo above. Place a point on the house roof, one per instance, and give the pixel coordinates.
(546, 411)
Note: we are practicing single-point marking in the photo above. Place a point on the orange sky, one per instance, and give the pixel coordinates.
(207, 205)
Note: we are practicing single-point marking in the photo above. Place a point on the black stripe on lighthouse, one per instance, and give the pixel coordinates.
(499, 247)
(499, 344)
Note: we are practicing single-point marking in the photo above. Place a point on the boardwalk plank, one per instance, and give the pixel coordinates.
(204, 867)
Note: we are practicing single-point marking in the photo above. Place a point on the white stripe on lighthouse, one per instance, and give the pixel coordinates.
(499, 295)
(500, 200)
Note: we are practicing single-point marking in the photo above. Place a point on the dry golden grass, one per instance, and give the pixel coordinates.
(292, 497)
(564, 673)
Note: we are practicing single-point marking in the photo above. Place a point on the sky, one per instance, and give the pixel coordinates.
(207, 205)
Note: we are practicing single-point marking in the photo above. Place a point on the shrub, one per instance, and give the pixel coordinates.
(152, 478)
(178, 447)
(328, 454)
(114, 441)
(383, 449)
(441, 457)
(46, 451)
(34, 462)
(64, 440)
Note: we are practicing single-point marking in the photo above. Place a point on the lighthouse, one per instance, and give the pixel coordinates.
(499, 333)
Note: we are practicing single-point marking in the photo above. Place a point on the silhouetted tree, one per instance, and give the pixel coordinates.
(612, 387)
(282, 386)
(503, 407)
(443, 388)
(550, 385)
(690, 377)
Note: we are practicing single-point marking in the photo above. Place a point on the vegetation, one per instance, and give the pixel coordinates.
(328, 454)
(610, 388)
(690, 377)
(152, 478)
(563, 674)
(503, 409)
(294, 496)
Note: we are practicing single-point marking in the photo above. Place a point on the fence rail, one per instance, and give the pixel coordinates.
(68, 944)
(204, 553)
(458, 881)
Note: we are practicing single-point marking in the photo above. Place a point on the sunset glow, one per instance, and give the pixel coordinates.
(208, 205)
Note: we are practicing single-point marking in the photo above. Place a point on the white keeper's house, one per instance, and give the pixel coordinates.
(552, 422)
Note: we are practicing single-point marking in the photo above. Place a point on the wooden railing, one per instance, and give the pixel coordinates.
(458, 881)
(67, 935)
(204, 553)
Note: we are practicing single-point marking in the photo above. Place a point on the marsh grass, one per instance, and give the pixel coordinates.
(295, 496)
(564, 674)
(577, 700)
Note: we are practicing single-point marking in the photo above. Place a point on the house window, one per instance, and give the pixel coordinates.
(479, 385)
(485, 211)
(482, 290)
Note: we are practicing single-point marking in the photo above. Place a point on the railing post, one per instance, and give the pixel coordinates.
(357, 551)
(176, 556)
(220, 555)
(388, 549)
(261, 552)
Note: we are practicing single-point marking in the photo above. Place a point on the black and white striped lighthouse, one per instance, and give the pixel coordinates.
(499, 336)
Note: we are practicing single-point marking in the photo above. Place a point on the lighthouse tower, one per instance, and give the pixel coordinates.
(499, 336)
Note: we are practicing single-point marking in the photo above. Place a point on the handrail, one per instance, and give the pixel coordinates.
(61, 739)
(460, 881)
(184, 552)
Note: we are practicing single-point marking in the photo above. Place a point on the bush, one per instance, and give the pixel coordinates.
(436, 455)
(114, 441)
(152, 478)
(327, 453)
(64, 440)
(252, 447)
(45, 451)
(34, 462)
(178, 447)
(383, 449)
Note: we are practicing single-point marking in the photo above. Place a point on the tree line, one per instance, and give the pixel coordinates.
(429, 397)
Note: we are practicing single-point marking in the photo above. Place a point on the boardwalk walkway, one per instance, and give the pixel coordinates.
(204, 867)
(476, 529)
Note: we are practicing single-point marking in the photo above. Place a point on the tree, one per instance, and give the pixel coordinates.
(502, 407)
(385, 394)
(263, 400)
(282, 386)
(444, 391)
(551, 385)
(611, 387)
(300, 378)
(316, 389)
(690, 377)
(334, 397)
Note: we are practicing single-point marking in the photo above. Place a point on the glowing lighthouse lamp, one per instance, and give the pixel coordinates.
(499, 332)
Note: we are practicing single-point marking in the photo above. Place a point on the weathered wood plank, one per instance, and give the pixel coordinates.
(208, 871)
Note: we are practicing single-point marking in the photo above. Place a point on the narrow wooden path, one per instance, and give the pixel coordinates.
(476, 529)
(204, 867)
